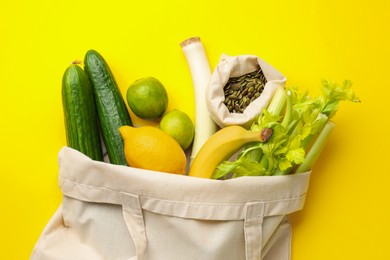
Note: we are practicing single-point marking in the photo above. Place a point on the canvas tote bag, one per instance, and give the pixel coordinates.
(122, 213)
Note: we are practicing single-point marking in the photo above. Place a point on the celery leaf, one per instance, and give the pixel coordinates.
(239, 167)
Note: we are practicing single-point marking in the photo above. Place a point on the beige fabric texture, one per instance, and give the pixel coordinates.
(234, 66)
(122, 213)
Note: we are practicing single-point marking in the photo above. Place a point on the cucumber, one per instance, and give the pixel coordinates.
(80, 117)
(111, 108)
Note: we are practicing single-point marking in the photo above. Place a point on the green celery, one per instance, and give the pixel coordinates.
(316, 148)
(296, 120)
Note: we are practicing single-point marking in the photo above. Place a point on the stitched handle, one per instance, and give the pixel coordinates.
(253, 227)
(132, 214)
(253, 230)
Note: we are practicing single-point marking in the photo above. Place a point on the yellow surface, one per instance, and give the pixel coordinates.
(346, 215)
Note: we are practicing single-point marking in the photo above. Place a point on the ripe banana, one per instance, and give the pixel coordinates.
(221, 146)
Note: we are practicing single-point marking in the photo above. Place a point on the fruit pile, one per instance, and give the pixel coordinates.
(94, 109)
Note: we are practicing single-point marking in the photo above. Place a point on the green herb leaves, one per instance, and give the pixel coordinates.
(334, 93)
(297, 120)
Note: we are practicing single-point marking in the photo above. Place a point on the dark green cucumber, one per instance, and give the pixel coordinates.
(111, 108)
(80, 117)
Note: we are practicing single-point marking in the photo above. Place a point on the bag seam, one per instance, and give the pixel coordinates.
(199, 203)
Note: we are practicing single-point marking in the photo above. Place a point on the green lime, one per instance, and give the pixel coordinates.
(147, 98)
(178, 125)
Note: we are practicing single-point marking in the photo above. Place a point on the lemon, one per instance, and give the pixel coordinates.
(151, 148)
(147, 98)
(179, 125)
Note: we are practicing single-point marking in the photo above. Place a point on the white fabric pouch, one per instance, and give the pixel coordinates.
(236, 66)
(122, 213)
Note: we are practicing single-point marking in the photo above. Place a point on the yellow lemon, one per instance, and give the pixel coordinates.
(151, 148)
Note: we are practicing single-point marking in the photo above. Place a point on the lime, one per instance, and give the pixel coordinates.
(178, 125)
(147, 98)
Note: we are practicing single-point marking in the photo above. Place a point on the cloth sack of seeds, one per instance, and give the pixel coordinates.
(240, 88)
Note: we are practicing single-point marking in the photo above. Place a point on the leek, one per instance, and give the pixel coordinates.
(200, 73)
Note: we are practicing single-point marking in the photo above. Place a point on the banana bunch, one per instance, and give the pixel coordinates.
(222, 145)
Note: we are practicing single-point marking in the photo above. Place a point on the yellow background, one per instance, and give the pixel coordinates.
(346, 215)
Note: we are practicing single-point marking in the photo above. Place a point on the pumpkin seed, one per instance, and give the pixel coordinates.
(235, 86)
(242, 90)
(233, 97)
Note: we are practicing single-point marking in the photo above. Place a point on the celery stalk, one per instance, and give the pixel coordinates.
(252, 152)
(278, 102)
(275, 107)
(319, 125)
(316, 148)
(288, 114)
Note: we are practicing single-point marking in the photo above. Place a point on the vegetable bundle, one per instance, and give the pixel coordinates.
(301, 126)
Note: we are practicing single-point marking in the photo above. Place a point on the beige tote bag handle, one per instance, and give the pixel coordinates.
(252, 213)
(132, 214)
(253, 230)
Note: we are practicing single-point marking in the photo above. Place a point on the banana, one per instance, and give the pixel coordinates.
(221, 146)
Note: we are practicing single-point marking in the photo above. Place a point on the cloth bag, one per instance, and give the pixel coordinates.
(235, 66)
(122, 213)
